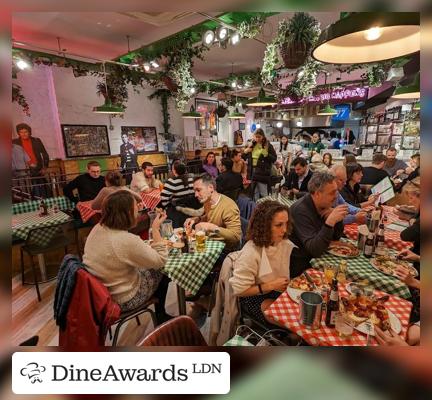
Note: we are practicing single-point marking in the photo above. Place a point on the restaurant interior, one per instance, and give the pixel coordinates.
(102, 100)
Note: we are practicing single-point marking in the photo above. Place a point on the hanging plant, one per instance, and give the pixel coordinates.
(270, 62)
(164, 95)
(19, 98)
(249, 29)
(376, 75)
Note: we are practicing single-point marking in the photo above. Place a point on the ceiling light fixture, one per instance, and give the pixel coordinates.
(409, 91)
(233, 84)
(261, 100)
(208, 38)
(193, 90)
(154, 64)
(107, 107)
(279, 124)
(146, 67)
(416, 106)
(348, 41)
(22, 64)
(222, 33)
(327, 110)
(236, 114)
(192, 114)
(235, 38)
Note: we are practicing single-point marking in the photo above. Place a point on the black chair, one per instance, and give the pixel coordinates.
(128, 315)
(44, 240)
(161, 172)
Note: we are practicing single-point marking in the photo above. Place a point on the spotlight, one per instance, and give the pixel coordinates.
(235, 38)
(154, 64)
(146, 67)
(373, 33)
(21, 64)
(299, 123)
(193, 90)
(258, 126)
(208, 38)
(222, 33)
(233, 84)
(279, 124)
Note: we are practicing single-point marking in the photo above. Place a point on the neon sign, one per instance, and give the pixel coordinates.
(333, 96)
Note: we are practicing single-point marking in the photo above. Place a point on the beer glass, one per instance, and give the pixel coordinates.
(200, 238)
(167, 229)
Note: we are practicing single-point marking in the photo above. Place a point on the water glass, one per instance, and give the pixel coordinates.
(342, 325)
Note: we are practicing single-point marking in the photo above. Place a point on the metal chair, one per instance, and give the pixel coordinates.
(180, 331)
(135, 313)
(44, 240)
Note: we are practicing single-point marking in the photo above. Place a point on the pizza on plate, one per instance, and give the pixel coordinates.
(359, 309)
(301, 283)
(388, 265)
(343, 249)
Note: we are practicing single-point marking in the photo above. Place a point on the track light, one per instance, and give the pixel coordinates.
(235, 38)
(208, 37)
(222, 33)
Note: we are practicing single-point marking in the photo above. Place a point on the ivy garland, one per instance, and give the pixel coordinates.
(270, 61)
(164, 95)
(19, 98)
(249, 29)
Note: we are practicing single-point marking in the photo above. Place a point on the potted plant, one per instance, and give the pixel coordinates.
(296, 38)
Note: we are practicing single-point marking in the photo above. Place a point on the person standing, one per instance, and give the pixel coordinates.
(260, 156)
(39, 159)
(128, 158)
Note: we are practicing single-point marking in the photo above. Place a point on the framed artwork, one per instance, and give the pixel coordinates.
(242, 126)
(85, 140)
(209, 119)
(143, 138)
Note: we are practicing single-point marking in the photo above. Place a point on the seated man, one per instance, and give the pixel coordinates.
(144, 181)
(375, 173)
(228, 180)
(315, 222)
(221, 214)
(88, 185)
(394, 166)
(298, 180)
(355, 214)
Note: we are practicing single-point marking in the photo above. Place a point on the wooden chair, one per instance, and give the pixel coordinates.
(180, 331)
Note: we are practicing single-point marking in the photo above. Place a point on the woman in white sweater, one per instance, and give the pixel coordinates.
(262, 270)
(127, 266)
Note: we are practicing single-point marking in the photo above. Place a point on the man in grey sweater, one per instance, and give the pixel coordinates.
(315, 222)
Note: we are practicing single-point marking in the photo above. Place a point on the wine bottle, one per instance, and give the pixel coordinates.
(380, 241)
(332, 305)
(369, 246)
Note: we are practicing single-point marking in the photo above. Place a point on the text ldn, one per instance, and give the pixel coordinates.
(206, 368)
(72, 374)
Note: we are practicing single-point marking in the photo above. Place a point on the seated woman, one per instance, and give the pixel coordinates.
(262, 270)
(112, 184)
(328, 160)
(178, 191)
(126, 265)
(209, 164)
(351, 192)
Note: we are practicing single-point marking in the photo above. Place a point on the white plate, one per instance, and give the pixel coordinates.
(413, 271)
(395, 324)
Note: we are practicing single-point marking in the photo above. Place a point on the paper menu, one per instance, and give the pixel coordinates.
(385, 189)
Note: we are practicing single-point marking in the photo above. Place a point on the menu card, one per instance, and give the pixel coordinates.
(385, 189)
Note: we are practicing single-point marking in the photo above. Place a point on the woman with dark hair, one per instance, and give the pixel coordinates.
(351, 192)
(125, 264)
(113, 184)
(283, 154)
(262, 270)
(260, 156)
(178, 190)
(239, 165)
(349, 159)
(226, 152)
(328, 160)
(209, 164)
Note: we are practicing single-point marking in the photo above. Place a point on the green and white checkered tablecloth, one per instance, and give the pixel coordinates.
(238, 340)
(189, 271)
(63, 203)
(23, 223)
(359, 268)
(278, 197)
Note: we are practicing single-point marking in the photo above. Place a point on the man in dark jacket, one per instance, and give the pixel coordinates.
(376, 172)
(88, 185)
(315, 222)
(297, 180)
(228, 181)
(39, 159)
(128, 158)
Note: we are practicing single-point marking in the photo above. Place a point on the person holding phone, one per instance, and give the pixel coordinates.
(260, 156)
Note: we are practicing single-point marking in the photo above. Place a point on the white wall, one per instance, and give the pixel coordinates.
(56, 97)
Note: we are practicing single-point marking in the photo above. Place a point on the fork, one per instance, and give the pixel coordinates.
(369, 329)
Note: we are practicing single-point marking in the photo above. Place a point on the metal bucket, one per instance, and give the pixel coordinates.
(310, 312)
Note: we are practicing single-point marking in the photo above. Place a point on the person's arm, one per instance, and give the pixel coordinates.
(69, 188)
(166, 194)
(412, 233)
(231, 233)
(139, 254)
(96, 203)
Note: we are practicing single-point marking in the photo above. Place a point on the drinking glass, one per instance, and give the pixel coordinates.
(342, 325)
(329, 273)
(200, 241)
(167, 229)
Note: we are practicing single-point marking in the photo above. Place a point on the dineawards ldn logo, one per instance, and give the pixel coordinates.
(33, 371)
(120, 373)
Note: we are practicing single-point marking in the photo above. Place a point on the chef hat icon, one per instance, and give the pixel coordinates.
(33, 371)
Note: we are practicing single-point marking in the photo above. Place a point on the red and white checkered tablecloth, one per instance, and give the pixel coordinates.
(86, 211)
(151, 199)
(392, 238)
(286, 311)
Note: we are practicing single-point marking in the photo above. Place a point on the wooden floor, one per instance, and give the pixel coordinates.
(31, 317)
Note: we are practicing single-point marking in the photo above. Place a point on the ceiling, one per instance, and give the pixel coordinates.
(103, 36)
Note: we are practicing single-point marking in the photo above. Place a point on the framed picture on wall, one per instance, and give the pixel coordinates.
(85, 140)
(209, 119)
(242, 126)
(144, 138)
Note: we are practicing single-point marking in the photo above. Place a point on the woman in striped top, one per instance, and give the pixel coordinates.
(179, 187)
